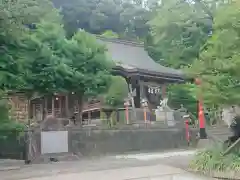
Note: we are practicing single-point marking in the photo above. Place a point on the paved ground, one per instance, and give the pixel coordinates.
(139, 167)
(157, 172)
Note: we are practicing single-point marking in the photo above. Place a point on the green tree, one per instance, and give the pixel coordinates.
(117, 92)
(16, 19)
(219, 61)
(90, 64)
(60, 65)
(29, 63)
(126, 18)
(178, 31)
(41, 59)
(45, 69)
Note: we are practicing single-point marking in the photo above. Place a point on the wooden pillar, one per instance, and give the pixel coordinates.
(132, 101)
(163, 98)
(164, 91)
(136, 88)
(60, 106)
(32, 111)
(142, 91)
(130, 89)
(41, 109)
(79, 104)
(45, 107)
(118, 118)
(89, 117)
(137, 98)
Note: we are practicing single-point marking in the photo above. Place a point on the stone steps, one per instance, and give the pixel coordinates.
(219, 134)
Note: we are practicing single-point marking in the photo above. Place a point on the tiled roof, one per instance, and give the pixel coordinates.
(132, 55)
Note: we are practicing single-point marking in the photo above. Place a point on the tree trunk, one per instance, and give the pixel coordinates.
(60, 106)
(80, 106)
(41, 109)
(29, 111)
(29, 142)
(67, 105)
(45, 107)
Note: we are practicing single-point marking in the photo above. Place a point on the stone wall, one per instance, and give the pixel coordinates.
(93, 142)
(102, 142)
(18, 107)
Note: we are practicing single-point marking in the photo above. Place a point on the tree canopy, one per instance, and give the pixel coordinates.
(37, 56)
(189, 36)
(178, 31)
(126, 18)
(219, 60)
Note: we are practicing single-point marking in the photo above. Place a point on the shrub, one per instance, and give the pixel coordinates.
(11, 129)
(212, 159)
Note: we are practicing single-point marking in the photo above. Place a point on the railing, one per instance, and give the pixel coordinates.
(91, 105)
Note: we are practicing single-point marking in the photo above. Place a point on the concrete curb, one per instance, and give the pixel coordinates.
(154, 156)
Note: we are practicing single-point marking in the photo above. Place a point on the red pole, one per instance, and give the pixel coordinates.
(201, 117)
(145, 114)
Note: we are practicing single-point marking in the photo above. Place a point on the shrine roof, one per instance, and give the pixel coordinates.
(132, 57)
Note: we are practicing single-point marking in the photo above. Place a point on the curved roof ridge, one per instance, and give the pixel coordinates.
(120, 41)
(132, 56)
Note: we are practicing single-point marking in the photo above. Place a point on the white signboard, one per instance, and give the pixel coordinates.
(54, 142)
(153, 90)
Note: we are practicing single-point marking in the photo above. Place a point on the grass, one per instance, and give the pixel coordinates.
(212, 159)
